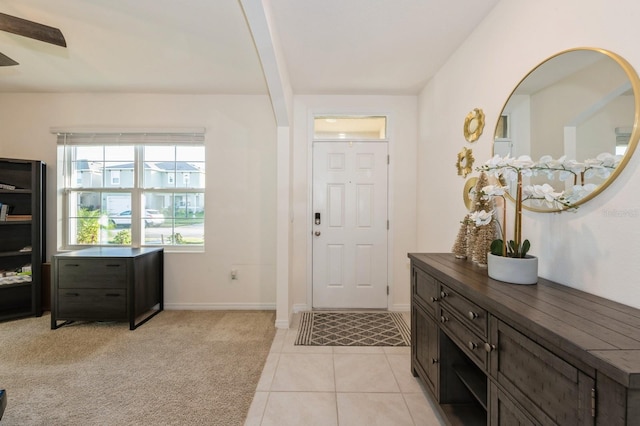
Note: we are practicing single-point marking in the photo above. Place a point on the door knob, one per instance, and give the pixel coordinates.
(317, 233)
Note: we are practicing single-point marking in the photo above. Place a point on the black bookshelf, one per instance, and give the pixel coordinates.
(22, 237)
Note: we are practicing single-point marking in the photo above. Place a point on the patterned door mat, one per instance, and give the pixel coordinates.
(353, 329)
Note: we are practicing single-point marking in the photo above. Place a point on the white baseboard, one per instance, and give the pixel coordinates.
(300, 307)
(400, 307)
(220, 306)
(282, 323)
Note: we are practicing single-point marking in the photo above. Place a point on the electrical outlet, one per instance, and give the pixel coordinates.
(234, 274)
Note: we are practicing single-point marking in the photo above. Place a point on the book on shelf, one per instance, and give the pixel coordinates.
(4, 208)
(17, 217)
(15, 279)
(7, 186)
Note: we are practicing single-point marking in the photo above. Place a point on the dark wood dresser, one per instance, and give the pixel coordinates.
(504, 354)
(107, 284)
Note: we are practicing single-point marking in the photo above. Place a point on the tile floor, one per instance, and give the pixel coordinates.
(348, 386)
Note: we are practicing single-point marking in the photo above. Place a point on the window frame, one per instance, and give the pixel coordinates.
(137, 191)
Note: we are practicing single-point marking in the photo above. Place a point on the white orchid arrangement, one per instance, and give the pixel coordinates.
(514, 169)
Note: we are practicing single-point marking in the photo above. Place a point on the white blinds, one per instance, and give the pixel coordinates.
(129, 137)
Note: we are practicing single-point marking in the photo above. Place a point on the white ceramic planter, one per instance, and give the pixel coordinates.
(512, 269)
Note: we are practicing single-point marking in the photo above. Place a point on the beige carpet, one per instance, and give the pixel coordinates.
(180, 368)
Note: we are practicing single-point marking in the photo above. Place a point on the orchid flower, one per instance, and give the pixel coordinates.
(543, 193)
(481, 217)
(493, 191)
(514, 169)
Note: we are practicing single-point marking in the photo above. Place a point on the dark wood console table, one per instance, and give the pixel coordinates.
(504, 354)
(107, 284)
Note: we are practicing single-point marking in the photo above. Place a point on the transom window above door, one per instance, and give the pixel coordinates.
(330, 127)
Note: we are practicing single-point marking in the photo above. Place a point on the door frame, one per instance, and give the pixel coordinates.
(308, 219)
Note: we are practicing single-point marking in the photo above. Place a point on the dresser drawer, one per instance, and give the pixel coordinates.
(426, 290)
(95, 304)
(471, 314)
(465, 338)
(91, 273)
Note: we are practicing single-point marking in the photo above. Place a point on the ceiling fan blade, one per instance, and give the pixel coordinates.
(32, 29)
(6, 61)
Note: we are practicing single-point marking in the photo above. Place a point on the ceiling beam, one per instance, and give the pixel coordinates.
(273, 65)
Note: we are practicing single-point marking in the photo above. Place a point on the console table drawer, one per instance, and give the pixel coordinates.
(96, 304)
(473, 316)
(427, 289)
(92, 273)
(466, 339)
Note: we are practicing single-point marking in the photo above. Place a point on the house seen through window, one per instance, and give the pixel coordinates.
(120, 193)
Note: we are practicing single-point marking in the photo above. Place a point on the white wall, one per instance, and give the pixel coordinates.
(240, 182)
(594, 249)
(402, 111)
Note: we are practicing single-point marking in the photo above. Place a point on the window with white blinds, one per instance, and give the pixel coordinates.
(132, 188)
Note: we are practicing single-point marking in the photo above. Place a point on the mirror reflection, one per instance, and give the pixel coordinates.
(577, 107)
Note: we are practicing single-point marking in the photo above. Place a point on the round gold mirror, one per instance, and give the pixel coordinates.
(473, 125)
(576, 107)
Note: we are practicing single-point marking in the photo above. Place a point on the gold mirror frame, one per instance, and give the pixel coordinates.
(466, 192)
(465, 162)
(634, 80)
(473, 125)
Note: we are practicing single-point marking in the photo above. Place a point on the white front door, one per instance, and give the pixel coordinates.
(349, 229)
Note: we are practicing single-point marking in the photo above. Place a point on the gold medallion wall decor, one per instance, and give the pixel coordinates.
(465, 162)
(466, 192)
(473, 125)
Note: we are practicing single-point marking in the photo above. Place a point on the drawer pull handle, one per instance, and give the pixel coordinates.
(71, 265)
(72, 294)
(472, 346)
(434, 299)
(434, 361)
(489, 347)
(472, 315)
(443, 319)
(113, 265)
(112, 295)
(443, 294)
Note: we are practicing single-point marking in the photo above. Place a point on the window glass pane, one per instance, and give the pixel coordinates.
(84, 217)
(91, 166)
(86, 170)
(174, 166)
(173, 218)
(159, 166)
(190, 153)
(98, 217)
(359, 128)
(182, 232)
(119, 175)
(159, 153)
(119, 153)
